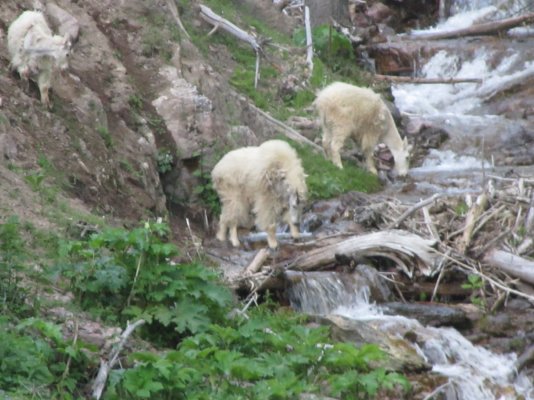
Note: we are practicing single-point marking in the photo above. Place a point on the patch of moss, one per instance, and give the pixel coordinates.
(325, 180)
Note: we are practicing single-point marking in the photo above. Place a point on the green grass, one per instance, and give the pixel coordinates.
(325, 180)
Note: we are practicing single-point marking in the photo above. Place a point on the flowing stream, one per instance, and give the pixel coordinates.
(477, 131)
(473, 372)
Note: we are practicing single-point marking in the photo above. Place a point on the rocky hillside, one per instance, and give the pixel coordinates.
(139, 109)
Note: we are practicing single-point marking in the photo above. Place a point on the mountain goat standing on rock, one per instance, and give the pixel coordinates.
(348, 111)
(262, 184)
(36, 52)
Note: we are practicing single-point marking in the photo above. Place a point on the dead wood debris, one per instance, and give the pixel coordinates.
(488, 237)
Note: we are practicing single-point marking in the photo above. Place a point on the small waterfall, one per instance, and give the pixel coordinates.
(474, 373)
(461, 108)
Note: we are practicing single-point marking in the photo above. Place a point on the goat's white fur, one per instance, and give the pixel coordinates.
(348, 111)
(262, 184)
(36, 52)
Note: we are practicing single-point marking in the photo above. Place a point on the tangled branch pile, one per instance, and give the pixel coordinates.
(439, 244)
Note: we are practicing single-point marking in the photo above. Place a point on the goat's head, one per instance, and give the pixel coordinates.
(62, 52)
(290, 190)
(402, 158)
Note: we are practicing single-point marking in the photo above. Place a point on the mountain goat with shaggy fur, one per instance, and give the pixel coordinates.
(348, 111)
(260, 185)
(36, 52)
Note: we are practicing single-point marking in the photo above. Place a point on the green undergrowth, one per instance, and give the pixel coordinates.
(334, 58)
(325, 180)
(206, 349)
(268, 355)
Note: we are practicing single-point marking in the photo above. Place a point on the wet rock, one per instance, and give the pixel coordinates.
(424, 137)
(429, 314)
(65, 22)
(242, 135)
(517, 149)
(378, 286)
(187, 113)
(379, 13)
(403, 355)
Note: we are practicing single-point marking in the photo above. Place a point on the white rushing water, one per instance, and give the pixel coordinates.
(459, 108)
(473, 372)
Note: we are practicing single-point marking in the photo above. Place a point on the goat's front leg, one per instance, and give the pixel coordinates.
(271, 236)
(233, 235)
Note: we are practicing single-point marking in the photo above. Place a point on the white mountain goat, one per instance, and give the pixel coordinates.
(262, 184)
(348, 111)
(36, 52)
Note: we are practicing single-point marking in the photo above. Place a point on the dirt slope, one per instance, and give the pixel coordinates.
(136, 89)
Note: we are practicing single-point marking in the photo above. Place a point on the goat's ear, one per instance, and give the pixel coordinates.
(67, 44)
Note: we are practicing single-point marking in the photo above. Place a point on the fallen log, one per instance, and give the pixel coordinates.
(286, 130)
(257, 262)
(408, 79)
(217, 21)
(489, 28)
(513, 265)
(106, 366)
(309, 43)
(403, 248)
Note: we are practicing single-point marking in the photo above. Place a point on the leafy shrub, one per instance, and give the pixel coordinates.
(268, 356)
(12, 257)
(130, 274)
(36, 361)
(206, 192)
(164, 161)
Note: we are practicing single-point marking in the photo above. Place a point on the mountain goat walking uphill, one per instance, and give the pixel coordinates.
(36, 52)
(348, 111)
(262, 184)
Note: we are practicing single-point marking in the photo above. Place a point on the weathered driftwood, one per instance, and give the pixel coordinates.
(176, 15)
(447, 290)
(309, 44)
(413, 209)
(489, 28)
(396, 245)
(511, 264)
(105, 367)
(257, 262)
(286, 130)
(470, 220)
(408, 79)
(217, 21)
(525, 358)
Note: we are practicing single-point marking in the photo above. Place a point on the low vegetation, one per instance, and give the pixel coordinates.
(208, 349)
(205, 347)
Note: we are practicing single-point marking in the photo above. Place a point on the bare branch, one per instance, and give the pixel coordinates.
(105, 367)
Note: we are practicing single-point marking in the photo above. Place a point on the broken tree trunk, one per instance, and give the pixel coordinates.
(106, 366)
(489, 28)
(404, 248)
(309, 44)
(217, 21)
(472, 217)
(407, 79)
(287, 130)
(513, 265)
